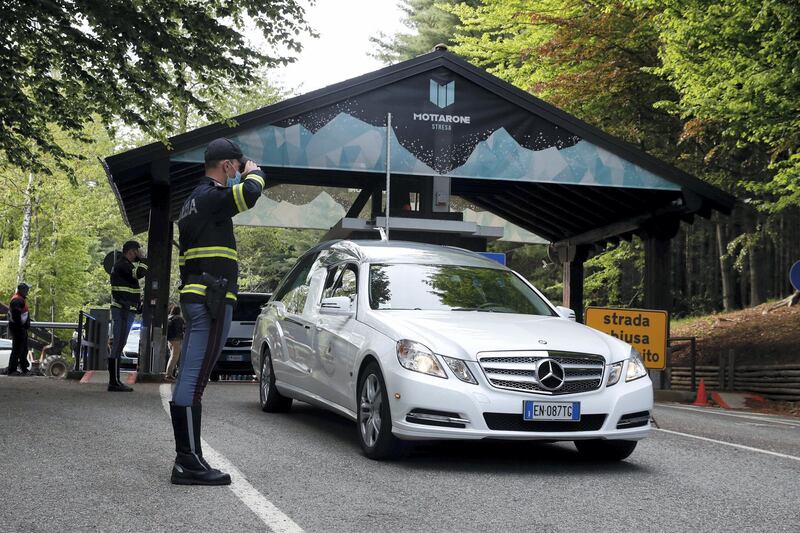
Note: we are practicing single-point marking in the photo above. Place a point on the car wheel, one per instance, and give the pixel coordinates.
(605, 450)
(374, 416)
(271, 400)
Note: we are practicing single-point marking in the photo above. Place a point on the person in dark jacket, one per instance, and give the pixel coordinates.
(209, 275)
(175, 329)
(126, 297)
(19, 321)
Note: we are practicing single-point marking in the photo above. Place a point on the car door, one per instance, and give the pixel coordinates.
(289, 359)
(338, 342)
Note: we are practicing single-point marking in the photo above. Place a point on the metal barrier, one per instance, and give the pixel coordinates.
(88, 348)
(692, 356)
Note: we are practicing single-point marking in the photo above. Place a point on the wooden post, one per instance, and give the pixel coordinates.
(156, 289)
(658, 264)
(731, 369)
(572, 257)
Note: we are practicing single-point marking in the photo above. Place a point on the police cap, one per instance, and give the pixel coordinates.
(130, 245)
(222, 148)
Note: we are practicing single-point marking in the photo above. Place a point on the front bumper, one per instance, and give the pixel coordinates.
(467, 404)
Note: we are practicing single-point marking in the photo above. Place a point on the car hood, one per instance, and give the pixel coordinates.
(464, 334)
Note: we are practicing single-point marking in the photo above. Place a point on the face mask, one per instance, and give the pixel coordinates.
(235, 180)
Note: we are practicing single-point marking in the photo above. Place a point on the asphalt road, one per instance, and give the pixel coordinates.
(76, 458)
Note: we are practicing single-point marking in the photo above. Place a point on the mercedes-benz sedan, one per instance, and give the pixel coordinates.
(420, 342)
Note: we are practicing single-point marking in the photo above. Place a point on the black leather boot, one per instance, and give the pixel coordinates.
(190, 468)
(114, 384)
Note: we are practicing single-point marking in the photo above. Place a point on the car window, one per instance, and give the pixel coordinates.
(346, 284)
(342, 281)
(452, 288)
(294, 289)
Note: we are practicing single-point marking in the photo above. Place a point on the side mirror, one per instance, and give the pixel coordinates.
(337, 305)
(566, 312)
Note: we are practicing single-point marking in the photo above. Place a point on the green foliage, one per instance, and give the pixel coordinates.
(612, 277)
(429, 24)
(74, 224)
(735, 67)
(136, 63)
(267, 254)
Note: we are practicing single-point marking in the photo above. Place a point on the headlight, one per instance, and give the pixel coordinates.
(636, 368)
(614, 372)
(460, 369)
(417, 357)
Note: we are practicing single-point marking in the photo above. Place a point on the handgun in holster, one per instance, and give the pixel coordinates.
(216, 290)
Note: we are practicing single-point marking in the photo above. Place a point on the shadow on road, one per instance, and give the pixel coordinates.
(485, 456)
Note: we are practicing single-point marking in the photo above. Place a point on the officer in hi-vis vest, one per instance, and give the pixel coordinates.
(126, 301)
(209, 274)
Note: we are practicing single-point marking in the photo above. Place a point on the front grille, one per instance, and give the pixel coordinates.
(515, 422)
(517, 371)
(234, 342)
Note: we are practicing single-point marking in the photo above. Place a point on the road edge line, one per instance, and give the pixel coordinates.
(264, 509)
(734, 445)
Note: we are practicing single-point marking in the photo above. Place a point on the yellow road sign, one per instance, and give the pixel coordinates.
(644, 329)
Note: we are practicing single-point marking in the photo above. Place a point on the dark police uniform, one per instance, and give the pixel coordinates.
(208, 263)
(19, 321)
(126, 297)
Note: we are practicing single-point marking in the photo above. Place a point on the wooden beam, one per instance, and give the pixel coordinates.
(359, 203)
(522, 219)
(624, 226)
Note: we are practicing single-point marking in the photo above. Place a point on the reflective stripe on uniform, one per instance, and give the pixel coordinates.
(181, 260)
(140, 265)
(121, 288)
(210, 251)
(257, 178)
(200, 289)
(194, 288)
(238, 197)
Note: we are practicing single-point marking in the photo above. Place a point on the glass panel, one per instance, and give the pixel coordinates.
(452, 288)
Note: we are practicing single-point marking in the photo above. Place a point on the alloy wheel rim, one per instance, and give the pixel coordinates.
(265, 375)
(370, 410)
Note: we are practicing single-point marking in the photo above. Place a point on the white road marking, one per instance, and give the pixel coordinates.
(761, 417)
(731, 444)
(247, 493)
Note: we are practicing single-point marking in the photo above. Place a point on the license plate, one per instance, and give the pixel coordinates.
(533, 410)
(234, 357)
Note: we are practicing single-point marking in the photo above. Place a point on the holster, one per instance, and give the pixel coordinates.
(216, 290)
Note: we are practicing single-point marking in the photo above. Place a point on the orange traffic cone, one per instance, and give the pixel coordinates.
(702, 397)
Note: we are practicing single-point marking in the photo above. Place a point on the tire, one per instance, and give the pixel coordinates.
(55, 366)
(374, 418)
(270, 399)
(605, 450)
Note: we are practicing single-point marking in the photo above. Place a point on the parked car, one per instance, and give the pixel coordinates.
(5, 353)
(235, 356)
(130, 353)
(418, 342)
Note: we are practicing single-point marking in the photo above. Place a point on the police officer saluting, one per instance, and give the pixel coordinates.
(126, 298)
(209, 274)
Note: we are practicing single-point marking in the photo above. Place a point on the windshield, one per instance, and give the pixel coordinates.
(452, 288)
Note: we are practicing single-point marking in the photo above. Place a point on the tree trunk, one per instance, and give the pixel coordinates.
(725, 267)
(757, 265)
(25, 237)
